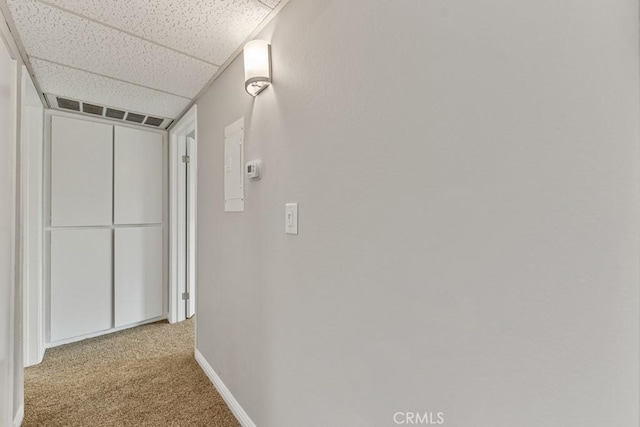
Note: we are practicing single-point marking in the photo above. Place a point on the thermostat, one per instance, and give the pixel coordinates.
(253, 169)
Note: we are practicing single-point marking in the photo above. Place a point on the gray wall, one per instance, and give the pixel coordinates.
(467, 174)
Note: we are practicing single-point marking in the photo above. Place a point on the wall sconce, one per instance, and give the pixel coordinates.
(257, 66)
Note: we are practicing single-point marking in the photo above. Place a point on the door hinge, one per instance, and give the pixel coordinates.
(185, 296)
(185, 159)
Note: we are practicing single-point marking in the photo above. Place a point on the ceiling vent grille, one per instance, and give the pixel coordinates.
(133, 117)
(92, 109)
(65, 104)
(153, 121)
(115, 114)
(68, 104)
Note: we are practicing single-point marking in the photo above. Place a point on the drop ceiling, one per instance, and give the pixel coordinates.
(148, 56)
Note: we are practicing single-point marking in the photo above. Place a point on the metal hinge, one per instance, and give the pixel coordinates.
(185, 296)
(185, 159)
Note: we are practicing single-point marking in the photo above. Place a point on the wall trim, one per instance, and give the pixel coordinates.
(17, 421)
(32, 173)
(234, 405)
(101, 333)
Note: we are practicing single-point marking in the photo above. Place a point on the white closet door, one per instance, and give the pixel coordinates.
(81, 172)
(138, 176)
(81, 289)
(138, 274)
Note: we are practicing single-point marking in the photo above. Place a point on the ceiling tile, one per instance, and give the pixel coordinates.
(207, 29)
(72, 83)
(61, 37)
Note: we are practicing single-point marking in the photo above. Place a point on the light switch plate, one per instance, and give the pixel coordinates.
(291, 218)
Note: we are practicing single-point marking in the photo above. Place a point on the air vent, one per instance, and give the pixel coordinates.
(133, 117)
(115, 114)
(106, 112)
(68, 104)
(92, 109)
(153, 121)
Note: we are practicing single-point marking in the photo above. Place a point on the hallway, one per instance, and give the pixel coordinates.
(145, 376)
(378, 213)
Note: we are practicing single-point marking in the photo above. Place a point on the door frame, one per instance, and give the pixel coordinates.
(192, 152)
(178, 134)
(32, 182)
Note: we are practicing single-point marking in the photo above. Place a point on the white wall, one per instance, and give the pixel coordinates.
(7, 154)
(467, 173)
(11, 370)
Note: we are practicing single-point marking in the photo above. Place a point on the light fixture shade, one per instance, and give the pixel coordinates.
(257, 66)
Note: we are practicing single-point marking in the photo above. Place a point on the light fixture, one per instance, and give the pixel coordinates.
(257, 66)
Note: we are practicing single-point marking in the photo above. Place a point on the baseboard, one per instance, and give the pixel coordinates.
(100, 333)
(38, 359)
(43, 350)
(17, 421)
(234, 405)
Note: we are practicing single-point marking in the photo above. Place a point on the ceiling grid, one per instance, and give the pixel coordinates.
(151, 56)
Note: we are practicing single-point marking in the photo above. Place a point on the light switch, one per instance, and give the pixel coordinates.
(291, 218)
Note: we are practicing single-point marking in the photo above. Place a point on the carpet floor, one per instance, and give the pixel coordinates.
(145, 376)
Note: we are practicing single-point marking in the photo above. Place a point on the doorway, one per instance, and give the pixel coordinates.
(184, 155)
(187, 212)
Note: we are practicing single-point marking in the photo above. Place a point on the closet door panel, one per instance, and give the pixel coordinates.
(81, 172)
(138, 176)
(81, 285)
(138, 274)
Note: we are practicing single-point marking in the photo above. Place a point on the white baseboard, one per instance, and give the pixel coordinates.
(100, 333)
(233, 404)
(38, 359)
(17, 421)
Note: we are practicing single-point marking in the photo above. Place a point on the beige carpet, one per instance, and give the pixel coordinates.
(145, 376)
